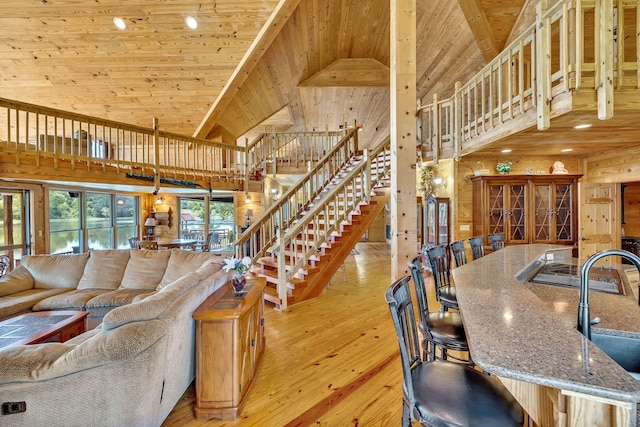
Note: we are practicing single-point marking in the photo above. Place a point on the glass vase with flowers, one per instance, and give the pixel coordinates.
(239, 267)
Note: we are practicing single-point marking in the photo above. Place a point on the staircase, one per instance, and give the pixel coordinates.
(306, 255)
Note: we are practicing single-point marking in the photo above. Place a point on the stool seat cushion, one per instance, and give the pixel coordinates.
(452, 394)
(445, 327)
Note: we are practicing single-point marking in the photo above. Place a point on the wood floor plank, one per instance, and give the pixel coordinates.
(329, 361)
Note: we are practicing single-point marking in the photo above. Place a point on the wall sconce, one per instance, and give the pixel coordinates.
(437, 181)
(275, 194)
(160, 200)
(247, 198)
(249, 214)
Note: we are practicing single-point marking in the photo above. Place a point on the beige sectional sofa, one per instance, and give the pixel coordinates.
(131, 369)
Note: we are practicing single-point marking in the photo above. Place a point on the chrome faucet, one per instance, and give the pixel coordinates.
(584, 320)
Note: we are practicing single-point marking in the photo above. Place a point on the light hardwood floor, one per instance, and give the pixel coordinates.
(331, 361)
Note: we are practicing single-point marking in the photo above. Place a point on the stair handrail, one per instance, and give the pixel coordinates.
(261, 234)
(359, 182)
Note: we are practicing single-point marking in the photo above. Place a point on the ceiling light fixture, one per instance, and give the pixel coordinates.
(506, 150)
(587, 125)
(566, 150)
(119, 23)
(191, 22)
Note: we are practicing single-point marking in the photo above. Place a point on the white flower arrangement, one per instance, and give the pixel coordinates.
(239, 266)
(504, 167)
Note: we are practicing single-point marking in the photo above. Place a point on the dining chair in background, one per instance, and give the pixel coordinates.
(497, 241)
(5, 262)
(459, 252)
(133, 242)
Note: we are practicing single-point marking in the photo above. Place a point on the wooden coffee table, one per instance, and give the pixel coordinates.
(41, 326)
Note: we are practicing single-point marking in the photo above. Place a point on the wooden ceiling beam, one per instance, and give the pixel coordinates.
(267, 34)
(354, 72)
(480, 28)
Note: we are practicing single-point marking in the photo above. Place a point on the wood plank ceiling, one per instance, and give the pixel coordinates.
(314, 65)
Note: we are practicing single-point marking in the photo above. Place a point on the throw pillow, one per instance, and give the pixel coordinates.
(55, 271)
(145, 269)
(105, 269)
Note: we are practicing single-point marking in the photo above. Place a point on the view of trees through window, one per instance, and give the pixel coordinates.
(221, 219)
(12, 223)
(103, 219)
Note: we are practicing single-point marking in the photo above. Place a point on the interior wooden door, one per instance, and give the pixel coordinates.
(599, 218)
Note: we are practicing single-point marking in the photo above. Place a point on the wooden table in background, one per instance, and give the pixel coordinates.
(176, 243)
(229, 346)
(42, 326)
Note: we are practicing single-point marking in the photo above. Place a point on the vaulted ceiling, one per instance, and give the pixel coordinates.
(300, 64)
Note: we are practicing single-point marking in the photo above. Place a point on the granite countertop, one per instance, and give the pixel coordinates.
(528, 331)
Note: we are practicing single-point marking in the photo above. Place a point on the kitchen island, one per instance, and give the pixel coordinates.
(526, 335)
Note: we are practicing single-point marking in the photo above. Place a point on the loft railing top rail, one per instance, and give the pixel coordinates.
(528, 33)
(37, 109)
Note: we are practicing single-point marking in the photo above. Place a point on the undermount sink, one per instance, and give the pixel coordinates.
(625, 351)
(604, 279)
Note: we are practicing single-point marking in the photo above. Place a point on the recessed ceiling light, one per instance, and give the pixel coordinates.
(191, 22)
(582, 126)
(506, 150)
(566, 150)
(119, 23)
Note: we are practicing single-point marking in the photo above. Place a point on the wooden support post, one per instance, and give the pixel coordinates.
(457, 121)
(543, 67)
(403, 138)
(156, 150)
(604, 54)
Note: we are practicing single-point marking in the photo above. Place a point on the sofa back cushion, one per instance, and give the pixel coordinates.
(150, 307)
(182, 262)
(17, 281)
(145, 269)
(55, 271)
(105, 269)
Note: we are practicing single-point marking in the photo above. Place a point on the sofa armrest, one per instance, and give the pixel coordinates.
(30, 363)
(17, 281)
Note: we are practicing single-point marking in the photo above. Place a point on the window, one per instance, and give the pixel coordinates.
(64, 221)
(15, 228)
(126, 219)
(105, 221)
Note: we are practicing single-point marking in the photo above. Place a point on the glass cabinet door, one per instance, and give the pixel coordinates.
(562, 212)
(437, 220)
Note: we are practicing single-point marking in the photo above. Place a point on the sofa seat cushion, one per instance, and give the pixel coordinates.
(74, 300)
(104, 270)
(117, 298)
(145, 269)
(55, 271)
(182, 262)
(20, 302)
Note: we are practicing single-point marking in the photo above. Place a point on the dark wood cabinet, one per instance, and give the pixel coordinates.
(526, 208)
(436, 220)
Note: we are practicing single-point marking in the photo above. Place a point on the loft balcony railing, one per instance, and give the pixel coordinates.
(273, 149)
(55, 136)
(575, 45)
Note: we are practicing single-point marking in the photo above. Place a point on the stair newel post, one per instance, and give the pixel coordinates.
(282, 274)
(367, 176)
(246, 165)
(274, 153)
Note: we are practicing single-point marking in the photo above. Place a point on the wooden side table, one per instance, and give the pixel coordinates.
(229, 346)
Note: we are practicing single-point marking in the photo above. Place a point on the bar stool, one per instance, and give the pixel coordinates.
(459, 253)
(441, 393)
(439, 262)
(477, 247)
(497, 241)
(440, 329)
